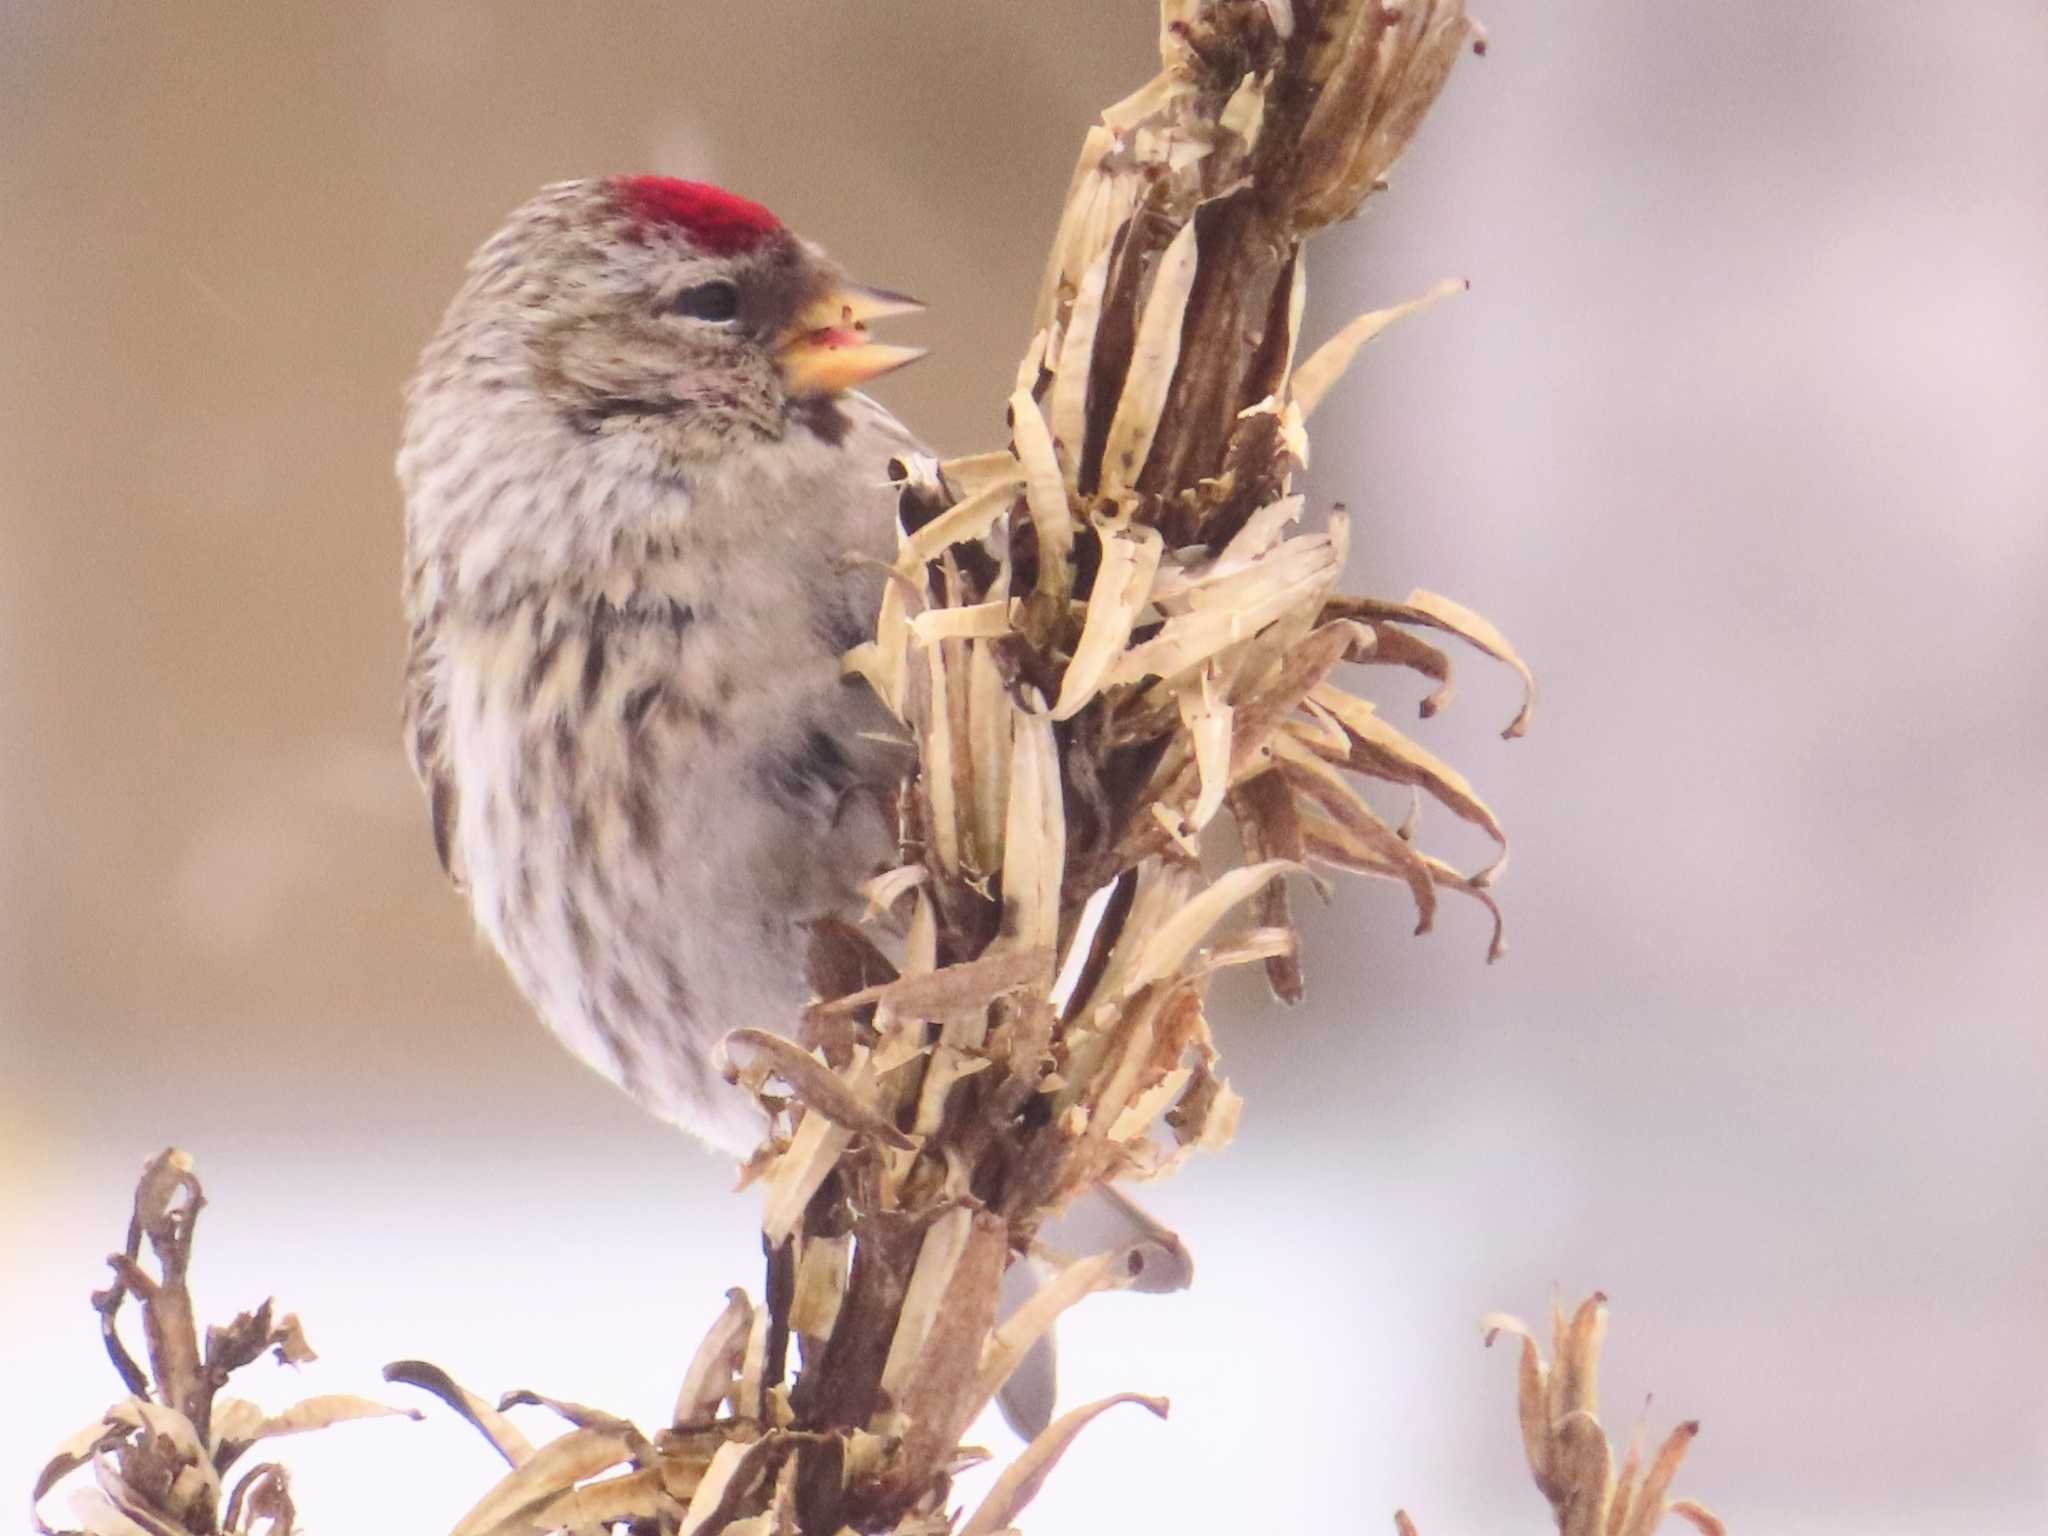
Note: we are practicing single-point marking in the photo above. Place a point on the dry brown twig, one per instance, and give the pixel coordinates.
(160, 1455)
(1104, 639)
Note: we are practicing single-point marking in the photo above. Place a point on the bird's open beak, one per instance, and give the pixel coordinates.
(826, 349)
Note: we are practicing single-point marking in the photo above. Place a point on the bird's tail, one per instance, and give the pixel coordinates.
(1097, 1222)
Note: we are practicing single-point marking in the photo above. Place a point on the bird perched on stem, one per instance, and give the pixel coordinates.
(634, 474)
(646, 512)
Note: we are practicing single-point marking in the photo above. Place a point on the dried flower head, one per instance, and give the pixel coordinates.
(1569, 1456)
(159, 1456)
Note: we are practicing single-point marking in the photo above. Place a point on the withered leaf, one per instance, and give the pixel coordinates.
(1207, 1114)
(1068, 255)
(939, 1393)
(717, 1360)
(1349, 832)
(976, 621)
(1698, 1516)
(1123, 585)
(733, 1472)
(988, 750)
(816, 1085)
(750, 1399)
(1207, 720)
(1034, 838)
(1650, 1502)
(1244, 113)
(1032, 364)
(1067, 405)
(1316, 374)
(172, 1426)
(1007, 1346)
(1625, 1485)
(1395, 647)
(263, 1493)
(1385, 753)
(1020, 1481)
(820, 1285)
(1154, 356)
(1453, 618)
(948, 991)
(547, 1473)
(799, 1172)
(1270, 828)
(101, 1516)
(976, 472)
(1582, 1464)
(939, 779)
(968, 520)
(579, 1414)
(505, 1436)
(1575, 1373)
(1162, 950)
(595, 1506)
(1045, 492)
(320, 1412)
(1151, 99)
(76, 1451)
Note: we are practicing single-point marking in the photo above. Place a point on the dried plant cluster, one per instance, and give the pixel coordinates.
(1568, 1453)
(161, 1456)
(1105, 639)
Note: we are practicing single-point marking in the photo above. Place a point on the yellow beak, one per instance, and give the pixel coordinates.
(826, 349)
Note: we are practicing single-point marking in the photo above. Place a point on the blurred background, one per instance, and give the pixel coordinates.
(1739, 435)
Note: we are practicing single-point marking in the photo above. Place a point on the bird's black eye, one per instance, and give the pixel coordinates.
(718, 299)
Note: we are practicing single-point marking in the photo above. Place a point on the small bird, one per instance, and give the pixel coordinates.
(639, 482)
(634, 470)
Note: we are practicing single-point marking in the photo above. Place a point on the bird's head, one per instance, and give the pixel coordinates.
(664, 308)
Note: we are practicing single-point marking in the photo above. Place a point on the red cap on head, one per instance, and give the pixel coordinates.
(713, 218)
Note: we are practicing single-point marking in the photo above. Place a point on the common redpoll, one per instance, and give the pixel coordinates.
(635, 467)
(633, 471)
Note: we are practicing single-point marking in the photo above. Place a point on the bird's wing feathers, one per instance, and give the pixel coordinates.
(426, 739)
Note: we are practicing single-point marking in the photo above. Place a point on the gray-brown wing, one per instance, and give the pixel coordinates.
(426, 739)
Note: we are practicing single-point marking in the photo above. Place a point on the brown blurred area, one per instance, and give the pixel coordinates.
(1742, 434)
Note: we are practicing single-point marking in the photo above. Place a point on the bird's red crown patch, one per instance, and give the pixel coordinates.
(714, 219)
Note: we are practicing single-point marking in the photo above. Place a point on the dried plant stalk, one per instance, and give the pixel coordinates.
(1104, 639)
(160, 1455)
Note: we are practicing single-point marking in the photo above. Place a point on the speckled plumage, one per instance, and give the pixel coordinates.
(627, 594)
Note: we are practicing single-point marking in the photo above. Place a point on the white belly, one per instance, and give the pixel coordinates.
(645, 834)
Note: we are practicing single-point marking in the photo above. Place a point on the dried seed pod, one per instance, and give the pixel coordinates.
(1568, 1453)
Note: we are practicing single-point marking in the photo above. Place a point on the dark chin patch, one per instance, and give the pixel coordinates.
(822, 416)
